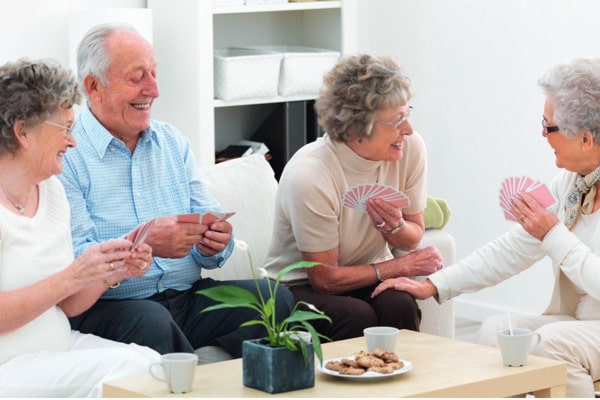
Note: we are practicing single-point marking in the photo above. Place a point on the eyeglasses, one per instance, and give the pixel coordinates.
(69, 129)
(402, 120)
(546, 130)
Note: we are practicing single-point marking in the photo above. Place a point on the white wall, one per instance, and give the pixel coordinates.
(474, 65)
(40, 28)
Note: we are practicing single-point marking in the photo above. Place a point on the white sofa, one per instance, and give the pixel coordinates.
(247, 186)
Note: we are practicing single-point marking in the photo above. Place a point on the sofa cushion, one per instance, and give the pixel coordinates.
(247, 186)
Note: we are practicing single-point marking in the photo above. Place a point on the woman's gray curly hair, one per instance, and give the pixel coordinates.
(574, 89)
(32, 91)
(355, 90)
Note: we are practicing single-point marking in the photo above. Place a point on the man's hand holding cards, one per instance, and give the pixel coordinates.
(140, 233)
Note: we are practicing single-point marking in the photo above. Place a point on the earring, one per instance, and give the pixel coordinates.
(359, 140)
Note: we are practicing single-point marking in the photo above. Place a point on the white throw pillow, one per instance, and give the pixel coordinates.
(247, 186)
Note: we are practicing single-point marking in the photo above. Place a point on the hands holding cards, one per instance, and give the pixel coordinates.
(357, 196)
(204, 219)
(511, 187)
(140, 233)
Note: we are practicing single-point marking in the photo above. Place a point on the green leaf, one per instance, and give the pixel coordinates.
(254, 322)
(233, 296)
(304, 350)
(269, 308)
(316, 342)
(301, 315)
(296, 265)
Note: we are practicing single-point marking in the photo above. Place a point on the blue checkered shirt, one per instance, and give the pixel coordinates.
(111, 191)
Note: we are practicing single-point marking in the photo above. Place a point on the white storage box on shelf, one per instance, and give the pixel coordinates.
(245, 73)
(302, 68)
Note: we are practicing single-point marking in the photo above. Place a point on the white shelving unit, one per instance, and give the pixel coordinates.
(186, 32)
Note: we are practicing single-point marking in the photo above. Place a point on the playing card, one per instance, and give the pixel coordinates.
(542, 195)
(139, 234)
(511, 187)
(357, 196)
(210, 217)
(205, 219)
(193, 218)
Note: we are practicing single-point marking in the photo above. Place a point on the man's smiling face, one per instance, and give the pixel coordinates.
(124, 105)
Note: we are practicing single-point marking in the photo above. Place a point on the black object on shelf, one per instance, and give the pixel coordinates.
(289, 126)
(233, 151)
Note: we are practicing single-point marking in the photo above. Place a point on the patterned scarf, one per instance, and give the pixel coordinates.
(585, 186)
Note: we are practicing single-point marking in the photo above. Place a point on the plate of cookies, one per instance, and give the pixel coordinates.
(363, 365)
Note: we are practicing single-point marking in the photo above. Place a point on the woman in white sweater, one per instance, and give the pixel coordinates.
(41, 284)
(568, 232)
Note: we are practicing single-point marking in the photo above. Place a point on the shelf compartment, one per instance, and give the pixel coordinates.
(263, 100)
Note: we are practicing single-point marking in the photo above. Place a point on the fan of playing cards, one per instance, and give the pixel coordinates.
(356, 197)
(511, 187)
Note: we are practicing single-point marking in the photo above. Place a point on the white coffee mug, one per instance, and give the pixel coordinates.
(381, 336)
(515, 347)
(178, 371)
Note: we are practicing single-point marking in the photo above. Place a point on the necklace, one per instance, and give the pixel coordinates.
(19, 208)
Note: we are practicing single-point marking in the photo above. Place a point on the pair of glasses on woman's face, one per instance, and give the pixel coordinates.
(402, 120)
(68, 129)
(548, 129)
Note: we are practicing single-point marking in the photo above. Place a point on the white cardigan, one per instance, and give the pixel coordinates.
(574, 262)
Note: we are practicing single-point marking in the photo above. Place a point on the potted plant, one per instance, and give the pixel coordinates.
(281, 361)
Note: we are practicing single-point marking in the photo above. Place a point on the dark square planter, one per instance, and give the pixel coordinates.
(276, 369)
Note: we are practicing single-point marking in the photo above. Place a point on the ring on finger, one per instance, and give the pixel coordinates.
(143, 267)
(380, 225)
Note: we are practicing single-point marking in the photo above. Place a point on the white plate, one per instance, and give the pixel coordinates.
(367, 375)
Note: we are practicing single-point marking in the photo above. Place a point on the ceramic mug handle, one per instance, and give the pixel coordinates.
(537, 342)
(155, 376)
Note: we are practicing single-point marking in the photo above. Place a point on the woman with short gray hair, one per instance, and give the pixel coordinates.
(323, 212)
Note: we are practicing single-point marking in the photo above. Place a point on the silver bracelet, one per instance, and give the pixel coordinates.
(376, 268)
(396, 229)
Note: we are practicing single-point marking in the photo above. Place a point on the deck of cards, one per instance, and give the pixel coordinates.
(356, 197)
(511, 187)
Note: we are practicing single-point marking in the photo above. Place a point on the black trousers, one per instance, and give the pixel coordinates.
(171, 321)
(354, 311)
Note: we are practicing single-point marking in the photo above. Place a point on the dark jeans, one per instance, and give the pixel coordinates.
(171, 321)
(354, 311)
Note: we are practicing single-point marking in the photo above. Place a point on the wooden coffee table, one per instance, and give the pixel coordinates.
(442, 367)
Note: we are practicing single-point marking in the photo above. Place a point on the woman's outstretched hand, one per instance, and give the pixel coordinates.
(420, 290)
